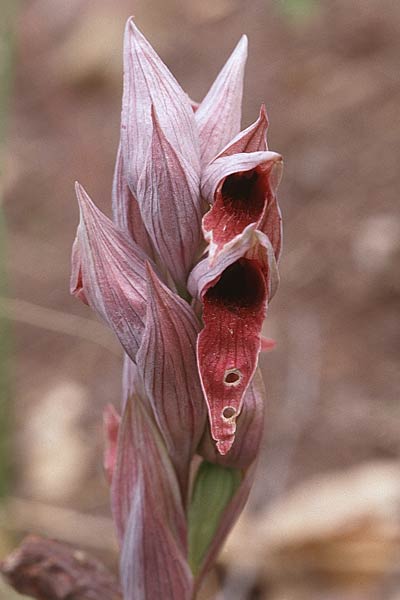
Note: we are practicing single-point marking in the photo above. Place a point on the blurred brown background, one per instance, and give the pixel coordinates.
(323, 522)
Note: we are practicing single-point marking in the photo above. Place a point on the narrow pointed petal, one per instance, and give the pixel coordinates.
(242, 190)
(167, 362)
(251, 139)
(112, 274)
(126, 212)
(219, 114)
(250, 426)
(148, 512)
(141, 455)
(147, 83)
(169, 199)
(111, 423)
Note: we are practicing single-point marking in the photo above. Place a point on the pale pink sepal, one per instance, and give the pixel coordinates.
(250, 426)
(148, 82)
(152, 564)
(219, 114)
(168, 193)
(126, 212)
(148, 512)
(111, 423)
(251, 139)
(111, 274)
(168, 366)
(242, 190)
(141, 453)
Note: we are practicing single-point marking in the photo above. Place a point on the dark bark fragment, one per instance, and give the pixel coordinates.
(49, 570)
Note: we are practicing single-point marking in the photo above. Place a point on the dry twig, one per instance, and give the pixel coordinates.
(57, 321)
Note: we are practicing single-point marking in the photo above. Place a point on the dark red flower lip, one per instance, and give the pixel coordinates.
(228, 347)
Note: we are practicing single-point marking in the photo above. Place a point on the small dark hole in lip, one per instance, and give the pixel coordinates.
(228, 412)
(232, 377)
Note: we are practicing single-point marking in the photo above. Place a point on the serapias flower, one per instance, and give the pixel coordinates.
(183, 274)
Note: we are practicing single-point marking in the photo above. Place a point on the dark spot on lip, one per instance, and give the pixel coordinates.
(229, 412)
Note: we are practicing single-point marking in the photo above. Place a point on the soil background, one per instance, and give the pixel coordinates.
(329, 75)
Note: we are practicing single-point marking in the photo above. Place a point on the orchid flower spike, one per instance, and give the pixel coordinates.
(183, 274)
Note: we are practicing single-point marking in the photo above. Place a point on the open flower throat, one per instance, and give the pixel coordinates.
(241, 288)
(239, 201)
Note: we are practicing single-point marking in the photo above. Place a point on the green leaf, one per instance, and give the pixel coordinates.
(213, 489)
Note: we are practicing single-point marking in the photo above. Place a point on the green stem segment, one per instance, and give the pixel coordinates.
(213, 489)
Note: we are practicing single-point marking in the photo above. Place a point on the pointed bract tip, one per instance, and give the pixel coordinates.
(133, 33)
(85, 203)
(133, 37)
(243, 43)
(79, 191)
(239, 53)
(131, 25)
(81, 194)
(263, 114)
(81, 197)
(128, 23)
